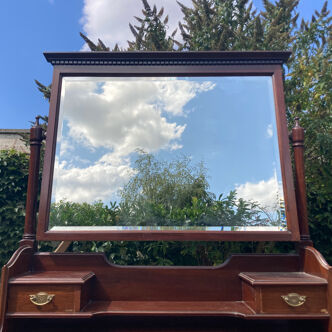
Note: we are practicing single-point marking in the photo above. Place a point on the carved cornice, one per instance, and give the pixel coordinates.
(166, 58)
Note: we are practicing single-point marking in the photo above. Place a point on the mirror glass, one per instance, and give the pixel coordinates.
(167, 153)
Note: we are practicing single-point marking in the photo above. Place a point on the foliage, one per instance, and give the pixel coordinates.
(169, 253)
(234, 25)
(175, 193)
(82, 214)
(151, 34)
(45, 90)
(100, 47)
(309, 97)
(13, 187)
(164, 193)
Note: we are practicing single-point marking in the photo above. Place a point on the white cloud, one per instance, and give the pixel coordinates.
(266, 192)
(108, 20)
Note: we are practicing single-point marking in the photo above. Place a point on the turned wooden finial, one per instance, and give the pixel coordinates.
(36, 138)
(37, 120)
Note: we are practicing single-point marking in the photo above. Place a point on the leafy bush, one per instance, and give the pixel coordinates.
(308, 95)
(13, 188)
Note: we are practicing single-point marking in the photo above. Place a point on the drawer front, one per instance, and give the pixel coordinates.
(66, 298)
(272, 301)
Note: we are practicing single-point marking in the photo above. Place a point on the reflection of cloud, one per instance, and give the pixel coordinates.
(265, 193)
(97, 182)
(115, 118)
(125, 115)
(269, 131)
(65, 147)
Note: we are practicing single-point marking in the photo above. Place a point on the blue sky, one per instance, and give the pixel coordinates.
(31, 27)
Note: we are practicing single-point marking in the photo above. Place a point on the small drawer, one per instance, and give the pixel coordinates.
(269, 299)
(284, 293)
(44, 292)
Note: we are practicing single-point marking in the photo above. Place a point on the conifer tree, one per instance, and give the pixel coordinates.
(234, 25)
(279, 20)
(151, 33)
(219, 25)
(100, 47)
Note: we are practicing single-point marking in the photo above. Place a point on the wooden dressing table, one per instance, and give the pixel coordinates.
(44, 291)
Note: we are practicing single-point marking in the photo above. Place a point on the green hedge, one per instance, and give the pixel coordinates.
(13, 188)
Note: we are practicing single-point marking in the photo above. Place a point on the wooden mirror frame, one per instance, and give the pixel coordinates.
(156, 64)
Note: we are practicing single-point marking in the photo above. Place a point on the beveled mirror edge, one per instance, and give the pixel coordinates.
(169, 64)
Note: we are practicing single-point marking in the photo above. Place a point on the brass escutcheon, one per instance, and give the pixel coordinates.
(41, 298)
(294, 299)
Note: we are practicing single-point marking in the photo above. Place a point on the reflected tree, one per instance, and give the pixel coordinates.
(165, 193)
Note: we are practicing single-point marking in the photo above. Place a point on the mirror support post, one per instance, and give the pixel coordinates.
(300, 187)
(36, 138)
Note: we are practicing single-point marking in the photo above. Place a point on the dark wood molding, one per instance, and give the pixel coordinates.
(166, 58)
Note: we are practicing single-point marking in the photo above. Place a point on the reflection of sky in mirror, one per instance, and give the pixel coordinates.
(226, 122)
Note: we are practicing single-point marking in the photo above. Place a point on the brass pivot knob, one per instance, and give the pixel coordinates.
(294, 299)
(41, 298)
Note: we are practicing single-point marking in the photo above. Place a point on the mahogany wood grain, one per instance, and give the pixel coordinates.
(169, 308)
(47, 176)
(69, 290)
(124, 287)
(263, 292)
(284, 153)
(53, 277)
(66, 298)
(150, 283)
(314, 263)
(19, 263)
(281, 278)
(316, 301)
(251, 297)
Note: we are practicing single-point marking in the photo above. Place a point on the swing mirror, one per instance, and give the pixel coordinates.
(167, 152)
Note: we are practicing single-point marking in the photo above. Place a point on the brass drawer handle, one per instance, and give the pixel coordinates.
(294, 299)
(41, 298)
